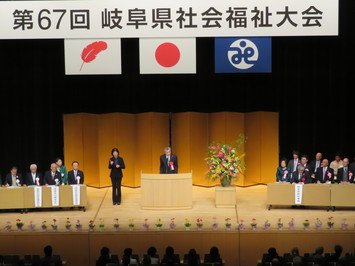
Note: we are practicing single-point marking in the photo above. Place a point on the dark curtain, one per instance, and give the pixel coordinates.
(311, 86)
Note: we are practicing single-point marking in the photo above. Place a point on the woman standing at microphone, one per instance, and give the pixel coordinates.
(116, 164)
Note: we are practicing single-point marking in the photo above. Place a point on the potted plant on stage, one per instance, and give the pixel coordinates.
(67, 225)
(253, 224)
(131, 225)
(91, 226)
(31, 227)
(224, 161)
(187, 224)
(19, 224)
(267, 225)
(280, 224)
(344, 224)
(54, 225)
(228, 224)
(8, 226)
(78, 226)
(199, 224)
(214, 224)
(145, 224)
(44, 226)
(172, 225)
(306, 224)
(241, 225)
(101, 225)
(116, 225)
(318, 224)
(291, 224)
(330, 223)
(158, 225)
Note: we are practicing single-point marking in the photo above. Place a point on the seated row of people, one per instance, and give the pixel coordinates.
(314, 173)
(54, 176)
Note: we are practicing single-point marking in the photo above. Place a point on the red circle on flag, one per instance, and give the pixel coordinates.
(167, 54)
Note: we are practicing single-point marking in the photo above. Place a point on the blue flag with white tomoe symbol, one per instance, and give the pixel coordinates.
(243, 55)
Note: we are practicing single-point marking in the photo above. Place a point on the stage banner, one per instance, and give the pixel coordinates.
(38, 196)
(160, 18)
(167, 56)
(243, 55)
(92, 56)
(55, 195)
(298, 193)
(76, 195)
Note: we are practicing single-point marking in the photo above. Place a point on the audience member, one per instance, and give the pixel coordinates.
(104, 258)
(170, 258)
(129, 258)
(319, 259)
(213, 256)
(193, 258)
(152, 255)
(48, 258)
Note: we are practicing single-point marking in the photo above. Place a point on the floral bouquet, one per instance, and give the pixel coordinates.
(291, 224)
(253, 224)
(44, 226)
(158, 225)
(172, 225)
(91, 225)
(199, 223)
(214, 224)
(187, 224)
(280, 224)
(306, 224)
(318, 224)
(31, 226)
(224, 161)
(330, 223)
(228, 223)
(241, 225)
(8, 226)
(131, 225)
(67, 225)
(116, 225)
(267, 225)
(78, 226)
(101, 225)
(54, 225)
(145, 224)
(19, 224)
(344, 224)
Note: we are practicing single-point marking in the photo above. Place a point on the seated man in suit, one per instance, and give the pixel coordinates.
(13, 178)
(324, 174)
(345, 175)
(168, 162)
(301, 176)
(33, 178)
(75, 176)
(52, 177)
(315, 164)
(304, 162)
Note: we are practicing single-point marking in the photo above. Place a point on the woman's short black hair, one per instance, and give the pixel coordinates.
(115, 149)
(57, 159)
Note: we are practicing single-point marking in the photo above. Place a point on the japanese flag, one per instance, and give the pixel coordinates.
(92, 56)
(167, 56)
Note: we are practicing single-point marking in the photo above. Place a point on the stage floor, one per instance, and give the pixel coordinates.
(251, 203)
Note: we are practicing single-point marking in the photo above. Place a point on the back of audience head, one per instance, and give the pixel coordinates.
(295, 252)
(214, 252)
(48, 251)
(192, 257)
(169, 251)
(127, 252)
(152, 251)
(105, 252)
(319, 251)
(338, 249)
(272, 252)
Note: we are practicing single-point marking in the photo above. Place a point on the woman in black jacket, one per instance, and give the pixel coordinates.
(116, 164)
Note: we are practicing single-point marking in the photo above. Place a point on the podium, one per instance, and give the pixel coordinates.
(166, 191)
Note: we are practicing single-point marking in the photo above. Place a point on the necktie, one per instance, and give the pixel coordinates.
(34, 178)
(53, 176)
(324, 170)
(345, 174)
(75, 173)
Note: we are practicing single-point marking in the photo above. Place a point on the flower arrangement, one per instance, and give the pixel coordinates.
(214, 223)
(19, 224)
(44, 226)
(116, 225)
(91, 225)
(330, 223)
(145, 224)
(199, 223)
(31, 226)
(318, 224)
(280, 224)
(67, 224)
(54, 225)
(291, 224)
(187, 224)
(344, 224)
(172, 225)
(267, 225)
(253, 224)
(101, 225)
(131, 224)
(78, 226)
(228, 223)
(306, 224)
(158, 225)
(241, 225)
(224, 161)
(8, 226)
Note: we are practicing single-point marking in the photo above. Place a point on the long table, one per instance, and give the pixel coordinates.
(324, 195)
(24, 197)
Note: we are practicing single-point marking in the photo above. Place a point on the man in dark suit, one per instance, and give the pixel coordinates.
(352, 166)
(345, 175)
(315, 164)
(168, 162)
(292, 164)
(33, 178)
(75, 176)
(304, 162)
(300, 176)
(13, 178)
(324, 174)
(52, 177)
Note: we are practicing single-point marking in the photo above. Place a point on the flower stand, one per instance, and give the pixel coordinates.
(225, 197)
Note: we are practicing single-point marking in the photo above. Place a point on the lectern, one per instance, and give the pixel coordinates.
(166, 191)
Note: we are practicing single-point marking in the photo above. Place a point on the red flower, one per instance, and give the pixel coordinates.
(229, 149)
(220, 154)
(303, 179)
(213, 148)
(329, 174)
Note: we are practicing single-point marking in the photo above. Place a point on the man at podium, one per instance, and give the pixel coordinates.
(168, 162)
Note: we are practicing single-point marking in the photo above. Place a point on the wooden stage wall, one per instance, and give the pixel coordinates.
(244, 248)
(89, 138)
